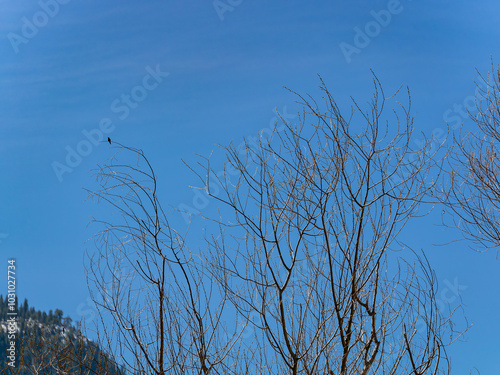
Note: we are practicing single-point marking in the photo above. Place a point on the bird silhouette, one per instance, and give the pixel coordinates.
(109, 140)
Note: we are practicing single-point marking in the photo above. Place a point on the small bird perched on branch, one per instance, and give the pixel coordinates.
(109, 140)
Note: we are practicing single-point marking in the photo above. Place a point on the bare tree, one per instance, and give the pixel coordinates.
(472, 190)
(154, 301)
(299, 273)
(317, 213)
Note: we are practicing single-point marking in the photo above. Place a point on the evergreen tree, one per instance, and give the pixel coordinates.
(25, 307)
(58, 315)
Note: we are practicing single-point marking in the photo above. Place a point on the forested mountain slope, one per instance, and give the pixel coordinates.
(48, 343)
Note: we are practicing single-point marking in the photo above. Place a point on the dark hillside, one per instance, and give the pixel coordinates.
(48, 343)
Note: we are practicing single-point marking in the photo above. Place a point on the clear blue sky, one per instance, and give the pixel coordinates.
(64, 69)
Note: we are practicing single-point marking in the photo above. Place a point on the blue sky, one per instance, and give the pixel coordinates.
(219, 75)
